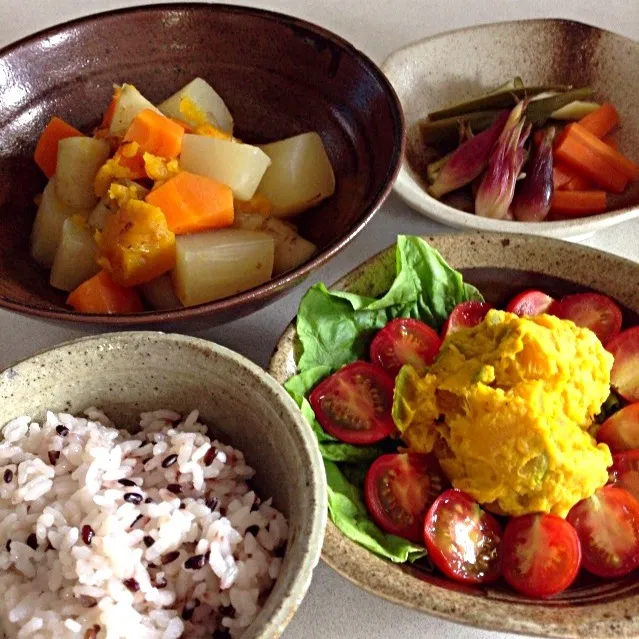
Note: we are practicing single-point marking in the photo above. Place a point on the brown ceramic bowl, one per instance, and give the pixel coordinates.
(279, 76)
(500, 266)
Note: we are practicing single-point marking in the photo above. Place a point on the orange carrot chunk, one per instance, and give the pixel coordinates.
(578, 183)
(601, 121)
(578, 203)
(101, 294)
(193, 203)
(108, 114)
(156, 134)
(562, 174)
(46, 152)
(611, 141)
(594, 159)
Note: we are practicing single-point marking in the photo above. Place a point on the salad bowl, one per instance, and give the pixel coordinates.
(499, 266)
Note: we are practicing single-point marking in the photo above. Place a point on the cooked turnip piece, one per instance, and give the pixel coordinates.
(160, 294)
(47, 227)
(74, 261)
(220, 263)
(205, 99)
(240, 166)
(291, 250)
(78, 162)
(102, 210)
(300, 175)
(129, 104)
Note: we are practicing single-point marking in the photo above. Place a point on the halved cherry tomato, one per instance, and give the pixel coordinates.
(355, 403)
(621, 430)
(530, 303)
(399, 489)
(591, 310)
(465, 315)
(625, 371)
(463, 540)
(625, 472)
(608, 527)
(405, 341)
(541, 554)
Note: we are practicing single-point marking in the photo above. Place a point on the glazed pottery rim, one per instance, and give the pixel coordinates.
(347, 557)
(277, 284)
(408, 187)
(290, 600)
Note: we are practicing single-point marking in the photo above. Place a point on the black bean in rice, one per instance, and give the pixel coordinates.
(8, 476)
(133, 498)
(169, 461)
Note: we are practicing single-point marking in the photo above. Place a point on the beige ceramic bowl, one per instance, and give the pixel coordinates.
(126, 373)
(451, 67)
(499, 266)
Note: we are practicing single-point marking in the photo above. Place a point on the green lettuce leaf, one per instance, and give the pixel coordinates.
(348, 512)
(335, 328)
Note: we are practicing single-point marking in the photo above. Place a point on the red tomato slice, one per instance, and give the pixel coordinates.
(625, 472)
(541, 554)
(465, 315)
(463, 540)
(625, 371)
(621, 430)
(405, 341)
(530, 303)
(591, 310)
(398, 490)
(608, 527)
(355, 404)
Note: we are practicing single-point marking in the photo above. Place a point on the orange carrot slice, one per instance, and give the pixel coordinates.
(108, 114)
(611, 141)
(156, 134)
(601, 121)
(594, 159)
(578, 183)
(578, 203)
(101, 294)
(193, 203)
(562, 174)
(46, 152)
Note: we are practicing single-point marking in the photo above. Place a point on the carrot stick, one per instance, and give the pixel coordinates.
(619, 162)
(46, 151)
(562, 174)
(101, 294)
(578, 203)
(594, 159)
(193, 203)
(156, 134)
(611, 141)
(601, 121)
(578, 183)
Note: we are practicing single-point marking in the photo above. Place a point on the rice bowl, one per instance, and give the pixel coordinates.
(153, 525)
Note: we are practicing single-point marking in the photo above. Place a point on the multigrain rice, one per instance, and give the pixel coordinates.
(107, 535)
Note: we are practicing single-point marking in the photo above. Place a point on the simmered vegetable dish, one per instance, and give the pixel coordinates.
(163, 207)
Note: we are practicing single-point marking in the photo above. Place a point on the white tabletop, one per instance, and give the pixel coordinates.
(334, 608)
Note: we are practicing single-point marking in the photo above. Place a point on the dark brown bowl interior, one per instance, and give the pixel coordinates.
(278, 75)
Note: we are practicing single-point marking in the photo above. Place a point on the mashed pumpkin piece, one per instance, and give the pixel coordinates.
(507, 407)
